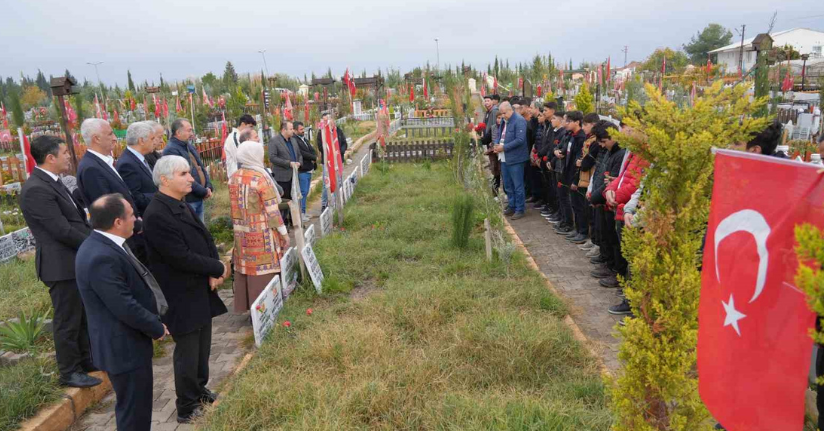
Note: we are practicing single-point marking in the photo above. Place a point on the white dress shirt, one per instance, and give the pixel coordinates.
(230, 149)
(108, 159)
(119, 240)
(140, 157)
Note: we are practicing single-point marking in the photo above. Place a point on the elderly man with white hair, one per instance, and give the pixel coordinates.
(184, 260)
(157, 138)
(97, 176)
(133, 166)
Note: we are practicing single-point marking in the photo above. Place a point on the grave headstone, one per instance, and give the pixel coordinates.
(289, 271)
(8, 249)
(265, 310)
(326, 222)
(23, 240)
(309, 236)
(313, 266)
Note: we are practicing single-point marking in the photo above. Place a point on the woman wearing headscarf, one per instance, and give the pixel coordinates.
(260, 235)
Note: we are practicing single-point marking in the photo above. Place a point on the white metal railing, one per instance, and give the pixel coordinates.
(429, 122)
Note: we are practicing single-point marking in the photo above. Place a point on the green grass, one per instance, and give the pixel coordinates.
(20, 289)
(412, 333)
(24, 388)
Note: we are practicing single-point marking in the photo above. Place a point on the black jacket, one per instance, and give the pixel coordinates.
(310, 157)
(572, 151)
(341, 142)
(58, 225)
(182, 257)
(120, 307)
(531, 132)
(612, 166)
(176, 147)
(152, 158)
(138, 178)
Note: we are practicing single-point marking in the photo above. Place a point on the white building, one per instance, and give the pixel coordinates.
(803, 40)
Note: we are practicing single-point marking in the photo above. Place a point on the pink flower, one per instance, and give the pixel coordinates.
(308, 311)
(287, 324)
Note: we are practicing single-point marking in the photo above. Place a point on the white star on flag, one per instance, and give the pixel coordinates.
(733, 315)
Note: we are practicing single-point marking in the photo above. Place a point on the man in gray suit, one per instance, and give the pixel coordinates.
(284, 155)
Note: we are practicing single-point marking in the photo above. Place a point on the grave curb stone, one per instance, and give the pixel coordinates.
(61, 415)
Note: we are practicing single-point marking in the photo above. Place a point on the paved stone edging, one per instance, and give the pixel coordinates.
(75, 401)
(568, 320)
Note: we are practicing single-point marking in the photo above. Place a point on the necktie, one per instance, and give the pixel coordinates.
(68, 194)
(160, 299)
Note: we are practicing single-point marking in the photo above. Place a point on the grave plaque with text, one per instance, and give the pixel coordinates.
(313, 266)
(309, 236)
(326, 222)
(265, 310)
(289, 271)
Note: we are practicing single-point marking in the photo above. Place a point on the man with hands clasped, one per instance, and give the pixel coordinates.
(185, 261)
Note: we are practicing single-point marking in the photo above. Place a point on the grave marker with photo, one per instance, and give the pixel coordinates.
(265, 310)
(313, 266)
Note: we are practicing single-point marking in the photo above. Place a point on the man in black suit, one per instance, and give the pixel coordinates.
(133, 165)
(183, 257)
(157, 138)
(122, 308)
(59, 226)
(97, 176)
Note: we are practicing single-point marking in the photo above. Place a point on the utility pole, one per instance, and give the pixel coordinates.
(438, 51)
(625, 50)
(741, 51)
(263, 53)
(99, 84)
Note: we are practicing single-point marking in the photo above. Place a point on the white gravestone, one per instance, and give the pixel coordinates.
(265, 310)
(289, 271)
(309, 236)
(313, 266)
(326, 222)
(364, 165)
(8, 250)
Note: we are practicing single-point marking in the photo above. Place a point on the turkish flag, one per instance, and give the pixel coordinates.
(411, 93)
(330, 143)
(754, 345)
(30, 163)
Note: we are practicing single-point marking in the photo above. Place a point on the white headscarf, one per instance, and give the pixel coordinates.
(250, 156)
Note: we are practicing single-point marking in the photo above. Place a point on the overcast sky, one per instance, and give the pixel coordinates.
(182, 38)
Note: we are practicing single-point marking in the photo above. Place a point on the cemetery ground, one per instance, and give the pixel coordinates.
(412, 333)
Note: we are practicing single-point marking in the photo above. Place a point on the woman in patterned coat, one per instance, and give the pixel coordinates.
(260, 235)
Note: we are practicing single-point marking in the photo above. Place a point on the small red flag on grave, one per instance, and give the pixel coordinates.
(754, 344)
(30, 163)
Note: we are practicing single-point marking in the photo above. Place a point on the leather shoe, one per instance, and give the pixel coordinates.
(597, 259)
(578, 239)
(563, 229)
(191, 417)
(79, 380)
(611, 282)
(602, 272)
(509, 212)
(209, 397)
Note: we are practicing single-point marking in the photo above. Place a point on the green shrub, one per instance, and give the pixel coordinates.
(20, 336)
(462, 218)
(24, 388)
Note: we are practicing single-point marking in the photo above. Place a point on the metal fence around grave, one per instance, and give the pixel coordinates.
(417, 151)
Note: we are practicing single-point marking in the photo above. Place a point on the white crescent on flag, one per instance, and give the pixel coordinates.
(753, 222)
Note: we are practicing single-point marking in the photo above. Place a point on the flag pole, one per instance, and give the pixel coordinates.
(23, 151)
(192, 105)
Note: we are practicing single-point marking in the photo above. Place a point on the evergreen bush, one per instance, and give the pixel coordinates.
(462, 220)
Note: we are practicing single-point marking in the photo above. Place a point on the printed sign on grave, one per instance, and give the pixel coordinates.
(313, 266)
(265, 310)
(309, 236)
(289, 271)
(8, 249)
(326, 222)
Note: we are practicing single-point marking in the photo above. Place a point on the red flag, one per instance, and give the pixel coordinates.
(425, 91)
(206, 100)
(97, 113)
(330, 142)
(30, 163)
(754, 344)
(608, 69)
(157, 106)
(663, 72)
(411, 93)
(787, 85)
(132, 105)
(179, 107)
(540, 90)
(600, 76)
(287, 110)
(116, 118)
(165, 108)
(520, 83)
(306, 112)
(317, 97)
(495, 84)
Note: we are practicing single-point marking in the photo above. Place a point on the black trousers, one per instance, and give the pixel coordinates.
(71, 333)
(537, 182)
(191, 364)
(550, 194)
(287, 189)
(529, 188)
(608, 236)
(565, 206)
(621, 265)
(579, 209)
(593, 225)
(133, 390)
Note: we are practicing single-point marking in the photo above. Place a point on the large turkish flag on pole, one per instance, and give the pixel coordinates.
(754, 344)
